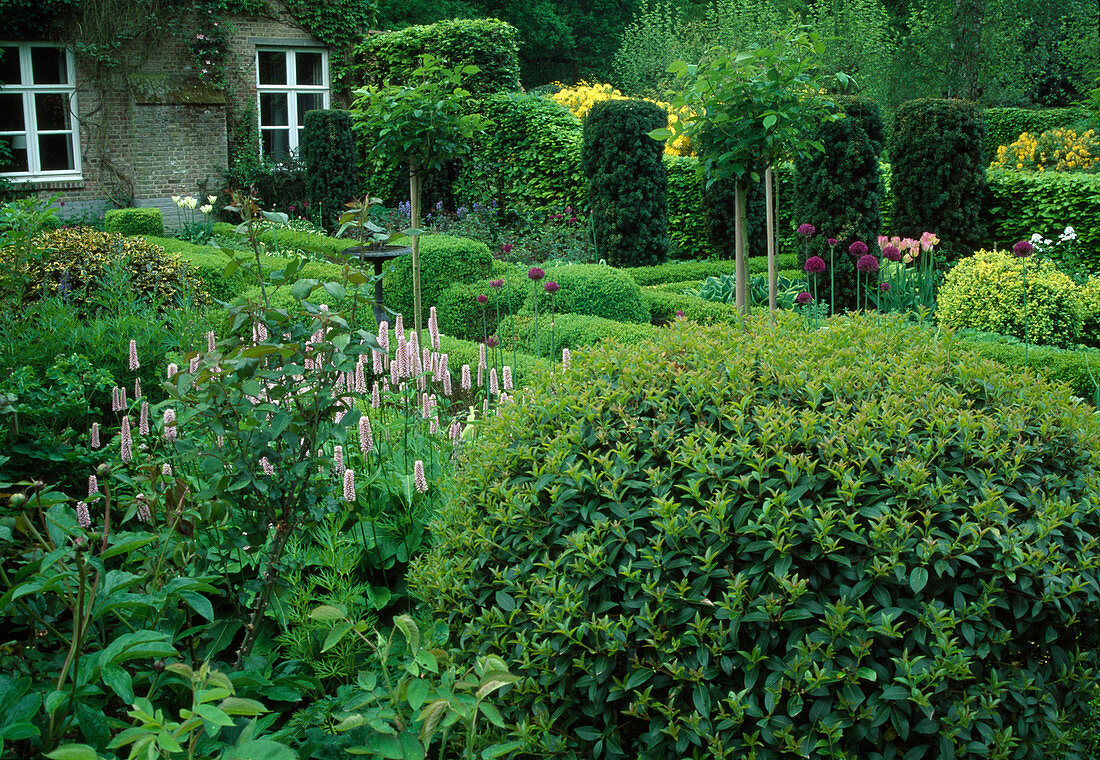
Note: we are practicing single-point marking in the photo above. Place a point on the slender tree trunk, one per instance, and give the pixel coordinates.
(414, 201)
(742, 284)
(769, 205)
(964, 61)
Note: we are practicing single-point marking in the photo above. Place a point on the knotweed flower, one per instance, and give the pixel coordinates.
(480, 376)
(360, 383)
(143, 512)
(807, 230)
(166, 470)
(507, 377)
(93, 486)
(143, 419)
(858, 248)
(419, 480)
(134, 364)
(481, 358)
(494, 388)
(377, 367)
(211, 342)
(137, 387)
(83, 519)
(127, 452)
(193, 366)
(446, 383)
(338, 459)
(123, 402)
(454, 432)
(433, 329)
(814, 265)
(566, 358)
(94, 438)
(375, 401)
(172, 370)
(268, 468)
(384, 335)
(466, 377)
(366, 437)
(116, 400)
(349, 485)
(169, 425)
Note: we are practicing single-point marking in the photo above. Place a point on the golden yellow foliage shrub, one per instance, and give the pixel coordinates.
(1061, 150)
(580, 98)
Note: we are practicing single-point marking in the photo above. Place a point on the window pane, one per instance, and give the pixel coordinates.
(309, 101)
(48, 65)
(52, 110)
(9, 65)
(308, 67)
(56, 152)
(13, 159)
(276, 143)
(11, 113)
(273, 109)
(272, 67)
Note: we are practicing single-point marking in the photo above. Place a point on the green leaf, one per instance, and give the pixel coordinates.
(119, 681)
(408, 627)
(214, 715)
(338, 632)
(328, 612)
(241, 706)
(497, 750)
(73, 752)
(417, 693)
(262, 749)
(918, 579)
(769, 121)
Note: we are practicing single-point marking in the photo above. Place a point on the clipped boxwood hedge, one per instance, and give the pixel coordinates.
(677, 271)
(735, 542)
(594, 289)
(462, 316)
(664, 306)
(134, 221)
(444, 261)
(1069, 366)
(570, 331)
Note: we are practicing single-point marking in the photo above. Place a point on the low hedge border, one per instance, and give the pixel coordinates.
(1067, 366)
(680, 271)
(570, 331)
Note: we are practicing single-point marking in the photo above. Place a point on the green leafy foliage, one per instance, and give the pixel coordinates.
(329, 153)
(1021, 204)
(839, 191)
(649, 543)
(666, 306)
(687, 228)
(206, 264)
(1004, 125)
(986, 292)
(1078, 369)
(627, 183)
(938, 173)
(718, 199)
(681, 271)
(461, 315)
(487, 43)
(444, 261)
(134, 221)
(528, 155)
(593, 289)
(721, 289)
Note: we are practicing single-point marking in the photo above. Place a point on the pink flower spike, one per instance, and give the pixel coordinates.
(127, 452)
(137, 387)
(143, 512)
(93, 485)
(481, 364)
(170, 425)
(419, 480)
(384, 336)
(166, 470)
(433, 329)
(507, 378)
(268, 468)
(360, 379)
(566, 357)
(494, 388)
(172, 370)
(123, 402)
(143, 419)
(366, 437)
(134, 364)
(375, 401)
(376, 362)
(466, 383)
(349, 485)
(338, 459)
(83, 519)
(93, 442)
(211, 342)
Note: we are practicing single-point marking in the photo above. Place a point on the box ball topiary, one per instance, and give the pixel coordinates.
(594, 289)
(461, 315)
(444, 261)
(862, 542)
(986, 292)
(134, 221)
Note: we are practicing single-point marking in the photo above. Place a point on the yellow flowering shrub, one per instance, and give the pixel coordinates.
(78, 257)
(986, 292)
(1061, 150)
(580, 98)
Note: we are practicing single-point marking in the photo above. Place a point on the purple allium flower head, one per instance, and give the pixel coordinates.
(83, 519)
(892, 253)
(497, 284)
(492, 341)
(134, 364)
(419, 480)
(884, 287)
(867, 263)
(679, 313)
(507, 248)
(831, 241)
(1023, 249)
(858, 248)
(536, 274)
(803, 298)
(483, 299)
(814, 265)
(349, 485)
(807, 230)
(551, 287)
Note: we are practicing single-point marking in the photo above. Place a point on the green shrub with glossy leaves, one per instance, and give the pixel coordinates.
(861, 542)
(593, 289)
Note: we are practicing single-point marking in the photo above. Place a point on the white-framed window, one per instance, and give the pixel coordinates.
(289, 82)
(38, 124)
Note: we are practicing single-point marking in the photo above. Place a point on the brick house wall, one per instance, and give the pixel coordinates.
(161, 130)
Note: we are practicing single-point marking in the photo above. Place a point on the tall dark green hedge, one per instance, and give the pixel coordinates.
(627, 183)
(839, 191)
(490, 44)
(328, 150)
(937, 150)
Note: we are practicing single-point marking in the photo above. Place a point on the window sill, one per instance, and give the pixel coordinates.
(74, 182)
